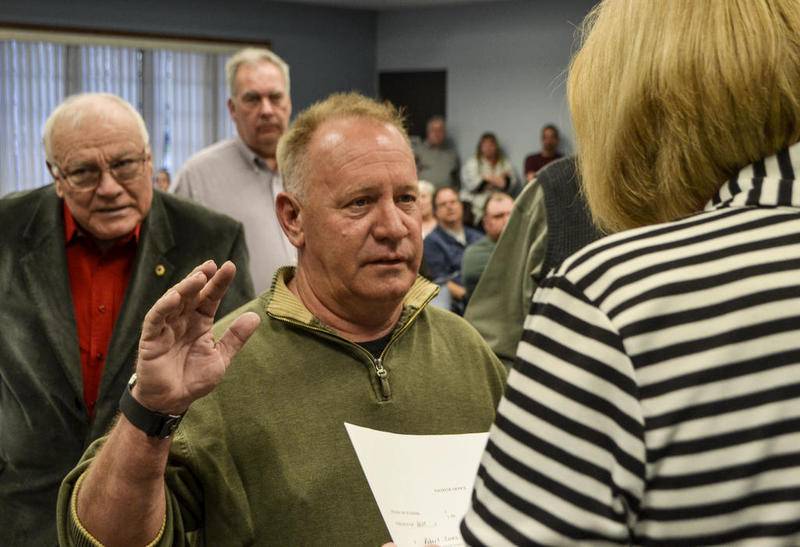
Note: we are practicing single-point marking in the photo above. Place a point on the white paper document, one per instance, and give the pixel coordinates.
(422, 483)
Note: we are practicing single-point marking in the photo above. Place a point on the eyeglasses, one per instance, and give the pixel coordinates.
(88, 176)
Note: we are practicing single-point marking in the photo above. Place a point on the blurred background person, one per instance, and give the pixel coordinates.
(426, 190)
(437, 160)
(444, 247)
(162, 180)
(239, 176)
(487, 171)
(476, 256)
(549, 152)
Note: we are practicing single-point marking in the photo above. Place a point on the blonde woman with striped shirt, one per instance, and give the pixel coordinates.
(656, 395)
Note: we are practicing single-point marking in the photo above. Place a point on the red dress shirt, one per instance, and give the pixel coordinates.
(98, 281)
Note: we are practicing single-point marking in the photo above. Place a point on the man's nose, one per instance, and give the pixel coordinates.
(389, 224)
(108, 185)
(266, 107)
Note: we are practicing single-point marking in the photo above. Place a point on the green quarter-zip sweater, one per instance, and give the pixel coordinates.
(265, 459)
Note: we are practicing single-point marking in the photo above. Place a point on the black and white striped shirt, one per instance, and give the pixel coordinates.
(656, 394)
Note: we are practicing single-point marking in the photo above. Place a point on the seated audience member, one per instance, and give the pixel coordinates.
(655, 398)
(549, 222)
(162, 180)
(261, 455)
(425, 199)
(81, 261)
(437, 161)
(487, 171)
(548, 153)
(444, 247)
(476, 255)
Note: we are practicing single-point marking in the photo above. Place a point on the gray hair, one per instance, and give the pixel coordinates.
(433, 119)
(497, 196)
(426, 188)
(73, 110)
(252, 56)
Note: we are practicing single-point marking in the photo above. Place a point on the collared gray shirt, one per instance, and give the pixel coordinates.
(438, 165)
(230, 178)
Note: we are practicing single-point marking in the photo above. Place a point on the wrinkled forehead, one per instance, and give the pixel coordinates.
(351, 152)
(95, 125)
(256, 75)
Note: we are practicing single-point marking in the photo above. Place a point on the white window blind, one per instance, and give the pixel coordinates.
(33, 83)
(181, 96)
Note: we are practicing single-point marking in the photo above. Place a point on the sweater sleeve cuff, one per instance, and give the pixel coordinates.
(80, 536)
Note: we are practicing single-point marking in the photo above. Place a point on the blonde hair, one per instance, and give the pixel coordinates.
(75, 108)
(253, 56)
(293, 145)
(670, 99)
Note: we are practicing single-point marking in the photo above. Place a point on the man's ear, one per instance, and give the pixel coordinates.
(56, 180)
(290, 215)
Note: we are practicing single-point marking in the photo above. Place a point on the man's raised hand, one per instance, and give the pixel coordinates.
(179, 361)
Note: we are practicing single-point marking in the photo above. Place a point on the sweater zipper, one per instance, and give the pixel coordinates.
(377, 362)
(377, 365)
(382, 373)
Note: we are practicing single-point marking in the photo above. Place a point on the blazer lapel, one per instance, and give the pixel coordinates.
(45, 271)
(152, 275)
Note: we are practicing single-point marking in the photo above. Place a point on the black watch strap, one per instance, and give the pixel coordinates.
(154, 424)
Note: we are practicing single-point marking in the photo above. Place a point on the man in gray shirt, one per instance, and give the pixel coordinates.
(437, 161)
(239, 176)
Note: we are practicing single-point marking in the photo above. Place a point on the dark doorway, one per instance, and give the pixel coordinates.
(422, 94)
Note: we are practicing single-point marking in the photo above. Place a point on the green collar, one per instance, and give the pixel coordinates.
(284, 305)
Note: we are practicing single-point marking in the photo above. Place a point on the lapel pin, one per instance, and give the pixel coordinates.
(160, 270)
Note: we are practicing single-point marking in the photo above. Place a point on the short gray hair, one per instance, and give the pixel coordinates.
(426, 187)
(434, 119)
(497, 196)
(76, 107)
(252, 56)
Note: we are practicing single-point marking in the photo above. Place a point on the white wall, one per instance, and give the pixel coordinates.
(506, 65)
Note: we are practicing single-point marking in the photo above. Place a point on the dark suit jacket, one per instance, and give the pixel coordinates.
(44, 426)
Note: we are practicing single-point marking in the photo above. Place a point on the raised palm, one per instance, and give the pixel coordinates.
(179, 360)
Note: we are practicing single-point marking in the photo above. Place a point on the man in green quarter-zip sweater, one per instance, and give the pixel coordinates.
(262, 456)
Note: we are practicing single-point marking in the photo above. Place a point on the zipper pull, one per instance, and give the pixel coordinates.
(382, 373)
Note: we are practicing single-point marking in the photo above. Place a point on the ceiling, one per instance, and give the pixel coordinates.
(386, 4)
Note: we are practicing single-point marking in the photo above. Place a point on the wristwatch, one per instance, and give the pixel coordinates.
(155, 424)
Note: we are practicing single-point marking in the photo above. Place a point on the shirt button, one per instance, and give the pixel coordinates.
(99, 356)
(101, 308)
